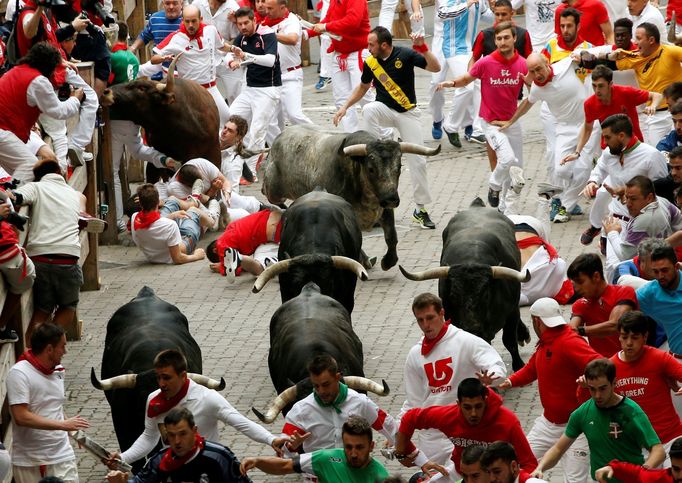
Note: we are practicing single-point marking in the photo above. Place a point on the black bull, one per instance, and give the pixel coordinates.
(479, 278)
(136, 333)
(322, 243)
(302, 328)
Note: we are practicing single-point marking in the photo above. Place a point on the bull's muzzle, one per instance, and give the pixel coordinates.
(107, 98)
(390, 201)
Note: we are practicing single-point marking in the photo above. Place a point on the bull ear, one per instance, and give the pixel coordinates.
(167, 98)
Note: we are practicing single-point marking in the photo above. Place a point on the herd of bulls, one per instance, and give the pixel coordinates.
(341, 184)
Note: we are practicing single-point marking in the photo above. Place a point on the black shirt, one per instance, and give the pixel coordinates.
(263, 41)
(400, 67)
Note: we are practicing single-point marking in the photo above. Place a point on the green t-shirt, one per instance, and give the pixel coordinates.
(619, 432)
(124, 66)
(330, 466)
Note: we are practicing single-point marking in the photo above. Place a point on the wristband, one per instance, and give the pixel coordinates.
(581, 331)
(422, 49)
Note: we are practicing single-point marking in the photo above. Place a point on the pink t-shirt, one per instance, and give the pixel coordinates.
(500, 85)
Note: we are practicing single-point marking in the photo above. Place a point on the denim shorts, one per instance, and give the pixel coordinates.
(56, 286)
(190, 228)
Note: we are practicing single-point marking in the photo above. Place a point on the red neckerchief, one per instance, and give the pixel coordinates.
(271, 22)
(144, 219)
(159, 404)
(428, 345)
(560, 42)
(536, 240)
(197, 36)
(29, 356)
(119, 46)
(170, 462)
(498, 57)
(634, 142)
(633, 47)
(258, 18)
(548, 80)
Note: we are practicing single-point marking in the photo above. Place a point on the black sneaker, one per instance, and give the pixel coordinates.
(493, 198)
(453, 137)
(422, 217)
(8, 335)
(589, 235)
(602, 245)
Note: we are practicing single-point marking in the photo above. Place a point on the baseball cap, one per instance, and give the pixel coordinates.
(549, 311)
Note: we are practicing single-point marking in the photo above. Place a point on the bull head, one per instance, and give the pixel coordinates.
(169, 86)
(289, 396)
(128, 381)
(339, 262)
(405, 148)
(498, 272)
(672, 38)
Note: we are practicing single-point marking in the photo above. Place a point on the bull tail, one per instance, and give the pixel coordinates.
(478, 202)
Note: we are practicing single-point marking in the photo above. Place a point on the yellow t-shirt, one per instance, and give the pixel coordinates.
(656, 71)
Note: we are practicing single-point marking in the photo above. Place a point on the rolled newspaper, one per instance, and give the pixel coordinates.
(97, 450)
(308, 25)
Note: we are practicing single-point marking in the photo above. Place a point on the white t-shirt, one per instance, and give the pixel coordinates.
(616, 9)
(220, 19)
(155, 240)
(45, 397)
(652, 15)
(198, 62)
(208, 172)
(289, 55)
(564, 95)
(539, 20)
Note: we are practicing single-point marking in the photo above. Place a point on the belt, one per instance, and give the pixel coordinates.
(622, 217)
(210, 84)
(661, 109)
(55, 260)
(676, 356)
(291, 69)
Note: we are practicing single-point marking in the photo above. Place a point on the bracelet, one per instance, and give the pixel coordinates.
(581, 331)
(422, 49)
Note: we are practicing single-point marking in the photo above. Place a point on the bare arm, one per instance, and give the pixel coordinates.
(607, 29)
(357, 94)
(269, 465)
(31, 27)
(553, 455)
(523, 108)
(24, 417)
(675, 240)
(602, 329)
(656, 456)
(136, 45)
(179, 257)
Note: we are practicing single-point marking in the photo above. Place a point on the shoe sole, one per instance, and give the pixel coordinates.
(558, 219)
(421, 225)
(229, 266)
(517, 179)
(95, 225)
(76, 161)
(473, 140)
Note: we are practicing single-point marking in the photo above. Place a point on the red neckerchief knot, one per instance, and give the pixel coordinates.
(29, 356)
(271, 22)
(634, 142)
(159, 404)
(536, 240)
(197, 36)
(428, 345)
(170, 462)
(560, 42)
(144, 219)
(503, 60)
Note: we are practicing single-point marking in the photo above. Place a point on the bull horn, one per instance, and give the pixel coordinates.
(124, 381)
(430, 274)
(411, 148)
(672, 38)
(170, 79)
(160, 86)
(363, 384)
(355, 150)
(207, 381)
(269, 273)
(506, 273)
(285, 397)
(345, 263)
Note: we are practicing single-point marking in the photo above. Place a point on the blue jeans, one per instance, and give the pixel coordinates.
(190, 228)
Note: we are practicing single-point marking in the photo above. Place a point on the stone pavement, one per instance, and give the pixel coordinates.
(231, 324)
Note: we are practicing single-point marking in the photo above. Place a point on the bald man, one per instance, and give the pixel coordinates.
(559, 86)
(198, 42)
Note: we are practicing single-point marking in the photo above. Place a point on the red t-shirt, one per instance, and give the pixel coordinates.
(645, 381)
(593, 14)
(594, 312)
(624, 100)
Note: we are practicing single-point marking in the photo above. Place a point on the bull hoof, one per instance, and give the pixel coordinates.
(388, 262)
(517, 364)
(369, 262)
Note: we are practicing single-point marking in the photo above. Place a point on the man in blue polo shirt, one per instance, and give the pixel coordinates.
(159, 26)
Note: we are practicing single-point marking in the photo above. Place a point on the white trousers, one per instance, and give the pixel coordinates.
(291, 99)
(231, 166)
(56, 129)
(258, 106)
(220, 103)
(508, 146)
(126, 134)
(15, 157)
(346, 75)
(462, 113)
(575, 462)
(387, 15)
(326, 58)
(66, 471)
(377, 116)
(572, 176)
(655, 127)
(229, 82)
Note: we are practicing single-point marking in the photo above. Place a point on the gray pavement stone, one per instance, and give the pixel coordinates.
(231, 324)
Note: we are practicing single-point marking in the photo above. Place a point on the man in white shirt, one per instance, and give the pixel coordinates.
(435, 366)
(539, 20)
(640, 11)
(35, 392)
(198, 43)
(287, 27)
(563, 92)
(207, 405)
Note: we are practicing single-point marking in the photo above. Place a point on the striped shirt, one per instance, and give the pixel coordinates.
(456, 26)
(159, 27)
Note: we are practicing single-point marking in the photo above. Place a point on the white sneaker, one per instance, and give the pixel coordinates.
(214, 213)
(517, 179)
(231, 263)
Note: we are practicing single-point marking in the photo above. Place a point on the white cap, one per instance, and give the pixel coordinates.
(549, 311)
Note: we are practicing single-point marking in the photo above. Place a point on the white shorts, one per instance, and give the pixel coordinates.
(266, 254)
(66, 471)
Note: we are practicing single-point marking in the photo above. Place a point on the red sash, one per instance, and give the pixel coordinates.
(536, 240)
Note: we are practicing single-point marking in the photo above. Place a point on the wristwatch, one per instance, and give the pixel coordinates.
(581, 330)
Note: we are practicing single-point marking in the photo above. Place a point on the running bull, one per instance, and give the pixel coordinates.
(322, 243)
(135, 334)
(479, 279)
(179, 117)
(360, 168)
(302, 328)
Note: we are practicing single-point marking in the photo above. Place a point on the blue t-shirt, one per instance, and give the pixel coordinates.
(159, 27)
(665, 307)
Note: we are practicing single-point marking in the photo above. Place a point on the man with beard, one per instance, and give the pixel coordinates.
(595, 26)
(353, 463)
(628, 472)
(501, 463)
(625, 158)
(615, 426)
